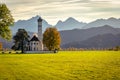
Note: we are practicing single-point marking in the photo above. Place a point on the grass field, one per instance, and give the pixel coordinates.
(69, 65)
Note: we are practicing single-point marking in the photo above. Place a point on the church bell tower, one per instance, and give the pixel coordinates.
(40, 37)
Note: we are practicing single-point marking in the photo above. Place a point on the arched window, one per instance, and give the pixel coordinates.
(31, 48)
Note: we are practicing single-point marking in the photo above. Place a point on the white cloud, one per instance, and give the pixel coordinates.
(54, 10)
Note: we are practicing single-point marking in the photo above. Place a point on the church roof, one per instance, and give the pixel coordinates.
(34, 38)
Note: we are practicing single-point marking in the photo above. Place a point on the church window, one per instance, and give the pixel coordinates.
(31, 48)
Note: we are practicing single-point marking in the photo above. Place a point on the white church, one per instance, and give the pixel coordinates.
(35, 43)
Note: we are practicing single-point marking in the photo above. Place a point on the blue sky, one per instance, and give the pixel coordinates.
(54, 10)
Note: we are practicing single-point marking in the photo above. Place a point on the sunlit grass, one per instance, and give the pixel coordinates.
(69, 65)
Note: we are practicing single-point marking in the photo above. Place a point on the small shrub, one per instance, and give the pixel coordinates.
(3, 52)
(17, 52)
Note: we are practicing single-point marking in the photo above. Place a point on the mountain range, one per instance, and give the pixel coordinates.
(101, 22)
(69, 24)
(31, 24)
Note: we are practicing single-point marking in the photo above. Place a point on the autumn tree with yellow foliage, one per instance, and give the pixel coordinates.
(51, 38)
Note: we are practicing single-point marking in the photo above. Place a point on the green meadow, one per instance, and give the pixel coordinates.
(64, 65)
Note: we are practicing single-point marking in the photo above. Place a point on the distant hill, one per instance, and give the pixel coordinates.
(98, 41)
(78, 35)
(101, 22)
(69, 24)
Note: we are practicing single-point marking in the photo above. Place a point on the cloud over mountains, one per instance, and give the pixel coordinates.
(54, 10)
